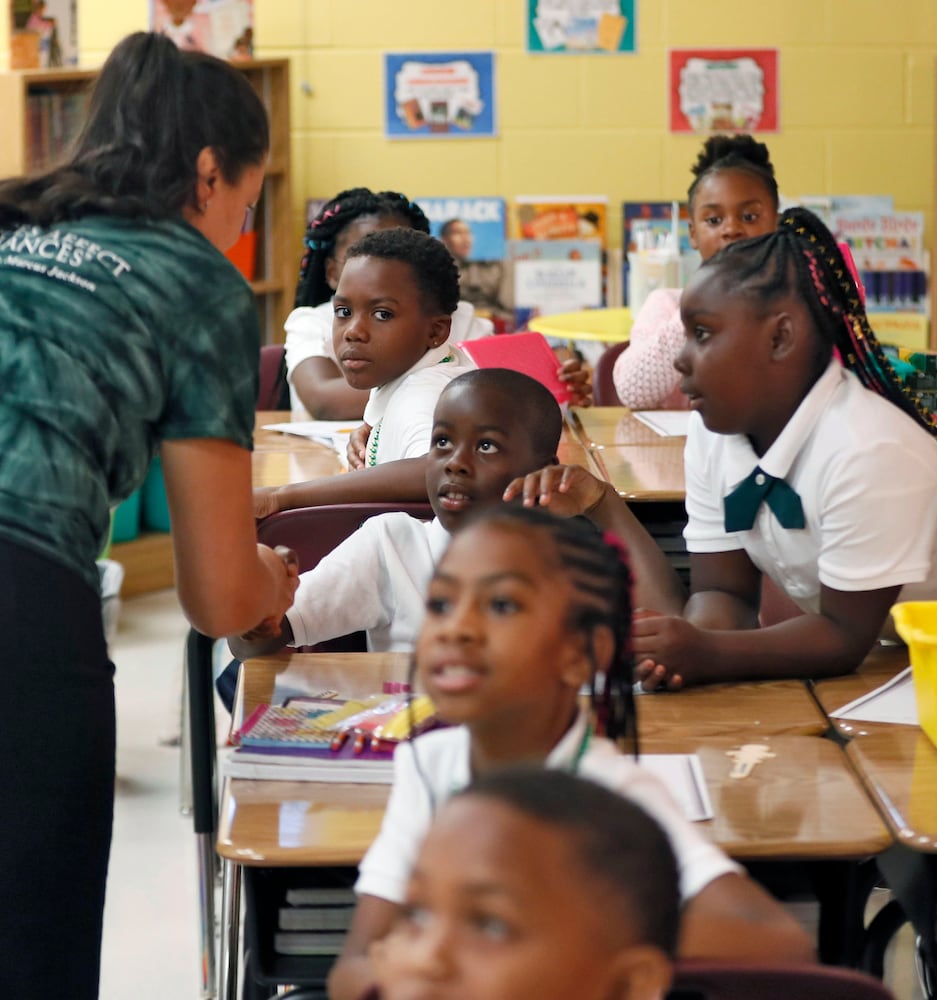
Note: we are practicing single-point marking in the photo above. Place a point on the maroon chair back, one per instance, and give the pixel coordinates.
(312, 533)
(274, 392)
(603, 385)
(731, 981)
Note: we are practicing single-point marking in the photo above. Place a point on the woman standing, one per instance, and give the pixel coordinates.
(123, 331)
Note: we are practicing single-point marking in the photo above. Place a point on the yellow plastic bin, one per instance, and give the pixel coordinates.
(916, 622)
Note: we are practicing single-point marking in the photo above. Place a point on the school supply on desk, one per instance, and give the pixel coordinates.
(528, 353)
(322, 739)
(682, 773)
(916, 623)
(893, 702)
(667, 423)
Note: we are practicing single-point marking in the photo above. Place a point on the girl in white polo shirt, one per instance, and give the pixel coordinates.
(806, 461)
(523, 610)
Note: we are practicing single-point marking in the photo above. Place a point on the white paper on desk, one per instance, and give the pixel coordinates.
(894, 701)
(682, 773)
(667, 423)
(332, 433)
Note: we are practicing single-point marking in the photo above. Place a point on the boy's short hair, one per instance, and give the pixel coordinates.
(434, 268)
(534, 406)
(617, 844)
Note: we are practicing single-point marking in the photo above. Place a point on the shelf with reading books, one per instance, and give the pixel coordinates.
(324, 738)
(656, 248)
(474, 230)
(557, 251)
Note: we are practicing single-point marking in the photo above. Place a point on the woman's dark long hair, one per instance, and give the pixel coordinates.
(153, 109)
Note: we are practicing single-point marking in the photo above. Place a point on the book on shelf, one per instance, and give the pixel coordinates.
(560, 217)
(44, 34)
(474, 231)
(53, 119)
(555, 276)
(223, 28)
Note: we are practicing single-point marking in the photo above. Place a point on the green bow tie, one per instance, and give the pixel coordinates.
(741, 505)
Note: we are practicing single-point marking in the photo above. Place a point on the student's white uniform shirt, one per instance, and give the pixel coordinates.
(434, 766)
(400, 412)
(376, 580)
(309, 335)
(866, 475)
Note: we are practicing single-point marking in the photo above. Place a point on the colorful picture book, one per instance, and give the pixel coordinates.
(325, 739)
(560, 217)
(555, 276)
(44, 34)
(482, 232)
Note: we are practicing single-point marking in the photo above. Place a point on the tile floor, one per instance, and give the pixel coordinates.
(151, 917)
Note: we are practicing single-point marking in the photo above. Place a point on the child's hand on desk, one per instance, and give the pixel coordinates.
(578, 380)
(357, 447)
(665, 649)
(567, 490)
(266, 502)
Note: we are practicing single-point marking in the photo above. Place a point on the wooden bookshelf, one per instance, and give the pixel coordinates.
(40, 120)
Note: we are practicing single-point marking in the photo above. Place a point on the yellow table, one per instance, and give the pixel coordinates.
(610, 326)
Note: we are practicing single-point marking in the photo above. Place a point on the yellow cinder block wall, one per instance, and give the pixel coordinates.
(857, 82)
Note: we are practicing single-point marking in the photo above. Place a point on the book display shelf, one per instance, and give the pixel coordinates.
(44, 109)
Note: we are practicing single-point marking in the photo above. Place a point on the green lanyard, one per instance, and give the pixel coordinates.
(581, 750)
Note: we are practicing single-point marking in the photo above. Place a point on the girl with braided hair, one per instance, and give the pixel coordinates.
(733, 196)
(805, 462)
(316, 383)
(525, 608)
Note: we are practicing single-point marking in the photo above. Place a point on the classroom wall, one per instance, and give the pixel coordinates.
(857, 96)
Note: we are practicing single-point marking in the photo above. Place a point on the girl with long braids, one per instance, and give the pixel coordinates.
(805, 461)
(316, 383)
(523, 610)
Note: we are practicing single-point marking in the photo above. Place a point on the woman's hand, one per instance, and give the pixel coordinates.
(357, 449)
(283, 564)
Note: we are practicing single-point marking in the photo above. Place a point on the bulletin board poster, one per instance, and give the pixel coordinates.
(724, 90)
(581, 26)
(439, 95)
(223, 28)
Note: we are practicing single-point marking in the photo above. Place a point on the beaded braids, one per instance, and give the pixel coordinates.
(335, 216)
(733, 152)
(802, 258)
(434, 269)
(596, 565)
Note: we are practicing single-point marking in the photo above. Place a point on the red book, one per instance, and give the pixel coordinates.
(522, 352)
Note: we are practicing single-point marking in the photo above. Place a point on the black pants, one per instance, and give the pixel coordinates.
(56, 778)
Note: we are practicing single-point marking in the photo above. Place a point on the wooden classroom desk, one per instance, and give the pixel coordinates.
(279, 459)
(881, 664)
(806, 802)
(643, 472)
(752, 710)
(602, 426)
(803, 804)
(638, 462)
(304, 823)
(898, 766)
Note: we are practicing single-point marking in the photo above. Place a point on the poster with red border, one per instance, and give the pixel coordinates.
(724, 90)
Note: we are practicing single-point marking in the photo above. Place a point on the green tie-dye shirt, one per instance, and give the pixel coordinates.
(114, 336)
